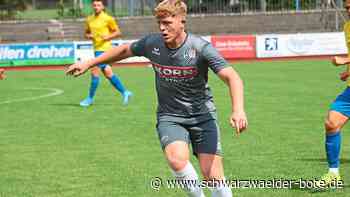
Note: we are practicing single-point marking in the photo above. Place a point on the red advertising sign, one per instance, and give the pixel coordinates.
(235, 47)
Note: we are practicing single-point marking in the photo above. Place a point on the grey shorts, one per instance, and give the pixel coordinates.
(203, 136)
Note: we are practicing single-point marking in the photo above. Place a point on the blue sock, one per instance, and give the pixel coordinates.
(115, 81)
(93, 86)
(333, 142)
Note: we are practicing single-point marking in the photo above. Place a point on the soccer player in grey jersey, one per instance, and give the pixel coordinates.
(186, 113)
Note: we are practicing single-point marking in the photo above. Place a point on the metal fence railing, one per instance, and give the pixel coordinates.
(53, 9)
(145, 7)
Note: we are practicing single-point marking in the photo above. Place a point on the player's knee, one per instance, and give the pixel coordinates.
(93, 74)
(108, 75)
(107, 72)
(332, 126)
(177, 164)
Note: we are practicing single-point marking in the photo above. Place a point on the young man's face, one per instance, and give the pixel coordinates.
(171, 28)
(347, 7)
(97, 6)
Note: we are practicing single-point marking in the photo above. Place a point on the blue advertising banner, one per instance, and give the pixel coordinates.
(36, 54)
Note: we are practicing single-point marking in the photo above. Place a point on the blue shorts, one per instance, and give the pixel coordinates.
(342, 103)
(101, 66)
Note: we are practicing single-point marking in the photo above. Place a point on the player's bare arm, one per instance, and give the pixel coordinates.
(88, 34)
(238, 118)
(2, 74)
(339, 61)
(115, 34)
(115, 54)
(344, 75)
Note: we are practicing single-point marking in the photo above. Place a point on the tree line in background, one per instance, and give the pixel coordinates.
(10, 8)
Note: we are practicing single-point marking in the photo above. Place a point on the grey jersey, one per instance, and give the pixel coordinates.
(181, 75)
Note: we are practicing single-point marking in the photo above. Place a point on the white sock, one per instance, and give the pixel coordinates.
(221, 191)
(189, 173)
(334, 170)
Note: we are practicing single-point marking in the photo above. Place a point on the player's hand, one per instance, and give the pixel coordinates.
(344, 76)
(337, 60)
(239, 121)
(89, 36)
(2, 74)
(77, 69)
(105, 38)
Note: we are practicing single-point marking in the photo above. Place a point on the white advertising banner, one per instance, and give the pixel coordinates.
(303, 44)
(84, 51)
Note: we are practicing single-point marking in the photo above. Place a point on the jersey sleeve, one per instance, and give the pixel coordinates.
(138, 48)
(214, 60)
(112, 24)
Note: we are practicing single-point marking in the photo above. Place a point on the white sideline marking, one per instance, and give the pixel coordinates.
(53, 92)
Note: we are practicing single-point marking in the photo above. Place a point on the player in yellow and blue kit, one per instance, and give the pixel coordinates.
(101, 29)
(338, 115)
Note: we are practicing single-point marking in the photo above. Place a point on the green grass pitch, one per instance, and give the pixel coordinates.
(51, 147)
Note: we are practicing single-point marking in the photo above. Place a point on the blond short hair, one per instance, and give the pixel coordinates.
(347, 3)
(170, 8)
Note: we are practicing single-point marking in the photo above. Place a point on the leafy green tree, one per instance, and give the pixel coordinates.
(60, 8)
(9, 8)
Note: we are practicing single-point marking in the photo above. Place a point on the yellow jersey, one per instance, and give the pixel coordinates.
(347, 40)
(99, 26)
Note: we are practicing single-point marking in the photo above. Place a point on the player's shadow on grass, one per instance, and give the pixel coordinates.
(323, 160)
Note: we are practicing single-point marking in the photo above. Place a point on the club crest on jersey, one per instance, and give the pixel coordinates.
(190, 54)
(156, 51)
(175, 71)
